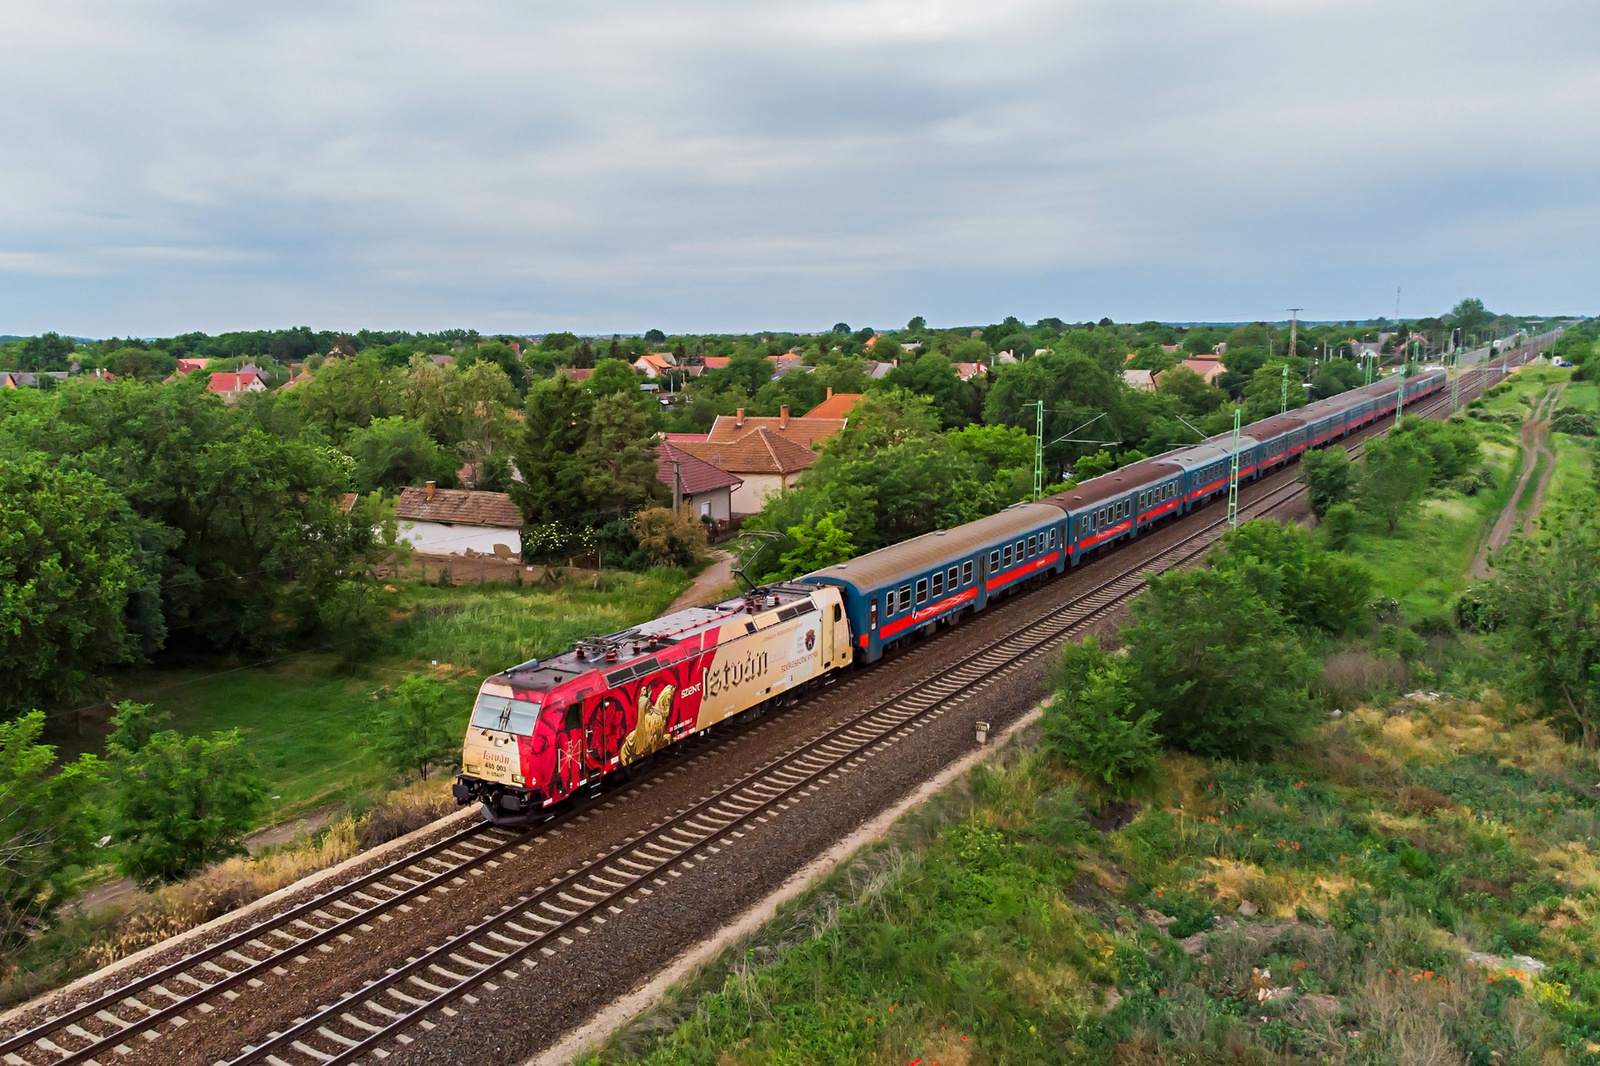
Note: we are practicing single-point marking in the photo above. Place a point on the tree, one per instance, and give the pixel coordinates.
(918, 324)
(1339, 525)
(49, 351)
(178, 802)
(1336, 376)
(614, 377)
(555, 424)
(346, 394)
(1218, 664)
(47, 827)
(1548, 595)
(1264, 395)
(816, 546)
(1470, 316)
(1327, 474)
(1095, 722)
(1395, 472)
(416, 728)
(669, 538)
(1190, 392)
(67, 571)
(391, 453)
(617, 458)
(655, 336)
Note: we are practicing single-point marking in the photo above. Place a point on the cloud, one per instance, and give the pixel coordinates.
(174, 165)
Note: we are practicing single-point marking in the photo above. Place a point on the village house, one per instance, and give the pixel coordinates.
(459, 521)
(704, 488)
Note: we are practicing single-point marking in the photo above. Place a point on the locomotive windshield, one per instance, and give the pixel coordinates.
(506, 715)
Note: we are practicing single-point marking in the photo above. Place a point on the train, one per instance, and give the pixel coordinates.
(544, 729)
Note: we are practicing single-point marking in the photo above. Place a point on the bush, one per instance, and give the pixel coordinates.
(1219, 664)
(1095, 723)
(1308, 586)
(1575, 422)
(1339, 525)
(667, 538)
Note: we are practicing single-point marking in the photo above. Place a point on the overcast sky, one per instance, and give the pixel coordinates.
(603, 167)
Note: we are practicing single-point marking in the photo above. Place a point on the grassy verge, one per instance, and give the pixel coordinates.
(1319, 909)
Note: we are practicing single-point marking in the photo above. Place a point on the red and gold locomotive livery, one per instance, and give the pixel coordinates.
(545, 728)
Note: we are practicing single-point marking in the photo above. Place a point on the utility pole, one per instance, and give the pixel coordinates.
(1233, 476)
(1038, 451)
(1294, 329)
(1455, 381)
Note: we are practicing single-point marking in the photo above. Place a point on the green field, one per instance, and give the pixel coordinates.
(299, 712)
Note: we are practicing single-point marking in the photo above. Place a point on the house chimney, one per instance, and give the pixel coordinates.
(783, 417)
(738, 419)
(431, 486)
(830, 393)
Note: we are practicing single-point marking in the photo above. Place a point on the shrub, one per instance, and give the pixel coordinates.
(667, 538)
(1339, 524)
(1308, 586)
(1094, 722)
(1577, 423)
(1220, 665)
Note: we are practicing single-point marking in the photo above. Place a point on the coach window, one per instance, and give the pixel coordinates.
(1022, 548)
(922, 591)
(872, 613)
(1052, 536)
(938, 583)
(953, 578)
(966, 572)
(1005, 556)
(994, 561)
(905, 597)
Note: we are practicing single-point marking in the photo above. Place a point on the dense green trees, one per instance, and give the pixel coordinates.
(67, 572)
(394, 452)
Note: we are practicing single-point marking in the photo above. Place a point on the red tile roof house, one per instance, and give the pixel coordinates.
(230, 386)
(459, 522)
(764, 461)
(706, 489)
(837, 405)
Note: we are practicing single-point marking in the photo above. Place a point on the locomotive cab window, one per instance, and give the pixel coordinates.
(838, 612)
(922, 591)
(574, 717)
(938, 583)
(966, 572)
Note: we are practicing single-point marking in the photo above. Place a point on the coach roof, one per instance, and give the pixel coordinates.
(1115, 485)
(911, 557)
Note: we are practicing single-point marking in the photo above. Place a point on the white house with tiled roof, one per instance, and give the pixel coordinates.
(459, 521)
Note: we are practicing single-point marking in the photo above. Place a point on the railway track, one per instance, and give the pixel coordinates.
(504, 945)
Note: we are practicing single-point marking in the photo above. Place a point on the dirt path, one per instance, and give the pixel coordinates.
(1535, 442)
(712, 580)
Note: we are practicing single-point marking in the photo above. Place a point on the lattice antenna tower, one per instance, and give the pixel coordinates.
(1038, 452)
(1233, 476)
